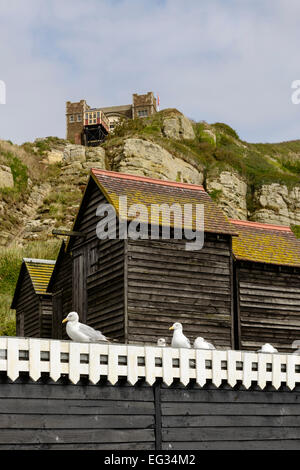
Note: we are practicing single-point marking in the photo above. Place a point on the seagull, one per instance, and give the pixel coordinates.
(79, 332)
(179, 340)
(296, 345)
(200, 343)
(161, 342)
(267, 348)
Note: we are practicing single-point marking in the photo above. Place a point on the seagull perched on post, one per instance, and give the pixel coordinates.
(82, 333)
(296, 345)
(161, 342)
(200, 343)
(179, 340)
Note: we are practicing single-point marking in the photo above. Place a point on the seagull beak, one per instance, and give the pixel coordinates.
(64, 320)
(171, 328)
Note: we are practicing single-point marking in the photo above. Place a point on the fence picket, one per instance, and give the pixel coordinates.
(167, 359)
(200, 368)
(184, 365)
(34, 358)
(150, 368)
(216, 368)
(54, 367)
(262, 373)
(74, 362)
(290, 372)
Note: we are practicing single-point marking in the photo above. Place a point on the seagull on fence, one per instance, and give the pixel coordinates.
(82, 333)
(179, 340)
(267, 348)
(296, 345)
(200, 343)
(161, 342)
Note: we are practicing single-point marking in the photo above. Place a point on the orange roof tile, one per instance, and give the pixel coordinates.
(265, 243)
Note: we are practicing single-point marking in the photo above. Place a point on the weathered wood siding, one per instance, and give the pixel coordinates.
(62, 296)
(46, 311)
(28, 310)
(268, 305)
(167, 283)
(230, 419)
(99, 296)
(58, 416)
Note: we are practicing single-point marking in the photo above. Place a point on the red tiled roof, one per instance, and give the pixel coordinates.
(265, 243)
(150, 191)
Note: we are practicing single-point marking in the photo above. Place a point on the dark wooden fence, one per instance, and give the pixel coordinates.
(61, 415)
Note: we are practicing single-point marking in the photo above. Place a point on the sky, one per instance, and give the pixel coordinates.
(230, 61)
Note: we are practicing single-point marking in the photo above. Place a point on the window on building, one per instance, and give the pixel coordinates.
(98, 114)
(71, 118)
(79, 118)
(142, 113)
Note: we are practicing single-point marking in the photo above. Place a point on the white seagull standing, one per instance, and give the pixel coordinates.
(179, 340)
(82, 333)
(200, 343)
(267, 348)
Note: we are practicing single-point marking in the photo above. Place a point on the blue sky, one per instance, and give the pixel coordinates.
(231, 61)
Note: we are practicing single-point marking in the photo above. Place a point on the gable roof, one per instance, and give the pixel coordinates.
(265, 243)
(40, 271)
(148, 191)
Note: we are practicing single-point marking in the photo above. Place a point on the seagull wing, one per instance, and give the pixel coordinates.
(92, 334)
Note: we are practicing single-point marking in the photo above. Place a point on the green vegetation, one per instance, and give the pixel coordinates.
(10, 263)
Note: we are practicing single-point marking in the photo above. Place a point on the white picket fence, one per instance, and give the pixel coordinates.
(58, 358)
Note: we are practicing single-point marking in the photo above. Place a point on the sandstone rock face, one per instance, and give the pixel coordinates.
(178, 127)
(278, 204)
(142, 157)
(232, 194)
(74, 153)
(95, 158)
(6, 177)
(53, 157)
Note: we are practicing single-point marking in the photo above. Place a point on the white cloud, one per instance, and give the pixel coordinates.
(218, 61)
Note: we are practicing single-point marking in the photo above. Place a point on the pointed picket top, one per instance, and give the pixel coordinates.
(13, 358)
(184, 358)
(167, 354)
(150, 354)
(276, 370)
(54, 366)
(232, 358)
(248, 359)
(34, 359)
(216, 367)
(132, 366)
(94, 363)
(113, 353)
(74, 362)
(290, 371)
(262, 370)
(200, 367)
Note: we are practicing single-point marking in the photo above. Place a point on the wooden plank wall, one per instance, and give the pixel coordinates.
(28, 306)
(229, 419)
(166, 283)
(46, 316)
(62, 296)
(48, 415)
(58, 416)
(268, 306)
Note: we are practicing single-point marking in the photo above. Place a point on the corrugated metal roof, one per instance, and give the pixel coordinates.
(265, 243)
(150, 191)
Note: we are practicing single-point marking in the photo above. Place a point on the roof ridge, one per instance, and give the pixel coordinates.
(249, 223)
(37, 260)
(147, 179)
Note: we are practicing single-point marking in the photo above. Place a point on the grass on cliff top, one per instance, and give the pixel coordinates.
(258, 164)
(10, 264)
